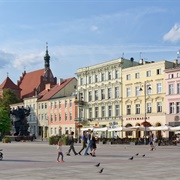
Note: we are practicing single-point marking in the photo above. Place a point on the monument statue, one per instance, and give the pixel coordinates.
(20, 121)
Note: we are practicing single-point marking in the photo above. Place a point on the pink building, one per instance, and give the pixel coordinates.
(172, 82)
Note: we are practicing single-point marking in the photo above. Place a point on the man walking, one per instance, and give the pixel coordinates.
(71, 142)
(88, 143)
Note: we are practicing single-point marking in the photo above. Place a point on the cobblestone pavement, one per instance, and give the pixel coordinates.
(37, 161)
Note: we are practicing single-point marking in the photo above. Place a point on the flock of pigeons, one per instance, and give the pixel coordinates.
(131, 158)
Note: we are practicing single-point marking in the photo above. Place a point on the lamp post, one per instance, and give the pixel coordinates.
(145, 108)
(79, 102)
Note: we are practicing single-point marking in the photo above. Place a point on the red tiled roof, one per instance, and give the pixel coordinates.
(7, 83)
(47, 94)
(30, 81)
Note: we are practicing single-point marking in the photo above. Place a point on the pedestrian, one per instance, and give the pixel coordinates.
(93, 145)
(88, 143)
(151, 138)
(59, 150)
(84, 141)
(71, 143)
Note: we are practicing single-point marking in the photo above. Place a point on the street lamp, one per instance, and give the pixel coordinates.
(145, 108)
(79, 101)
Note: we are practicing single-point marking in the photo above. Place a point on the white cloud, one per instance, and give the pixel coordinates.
(94, 28)
(28, 60)
(174, 34)
(5, 58)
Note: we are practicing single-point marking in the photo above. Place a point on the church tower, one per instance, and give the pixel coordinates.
(46, 59)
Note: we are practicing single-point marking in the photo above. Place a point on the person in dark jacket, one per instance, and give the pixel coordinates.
(84, 141)
(71, 143)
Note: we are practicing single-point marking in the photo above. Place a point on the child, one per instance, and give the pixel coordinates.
(59, 149)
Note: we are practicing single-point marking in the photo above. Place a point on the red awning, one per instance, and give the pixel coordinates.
(146, 124)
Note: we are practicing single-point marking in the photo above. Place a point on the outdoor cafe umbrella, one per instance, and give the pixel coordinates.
(120, 129)
(177, 128)
(100, 129)
(138, 128)
(159, 128)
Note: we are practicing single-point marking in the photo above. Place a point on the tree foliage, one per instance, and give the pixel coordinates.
(9, 97)
(5, 121)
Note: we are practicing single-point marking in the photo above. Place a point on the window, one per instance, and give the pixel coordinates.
(45, 117)
(96, 78)
(148, 89)
(116, 74)
(159, 106)
(96, 112)
(51, 118)
(137, 91)
(178, 74)
(102, 77)
(117, 110)
(90, 79)
(102, 94)
(178, 88)
(109, 93)
(177, 107)
(109, 75)
(70, 103)
(51, 105)
(96, 95)
(39, 106)
(171, 108)
(171, 76)
(110, 111)
(65, 103)
(81, 81)
(59, 117)
(59, 104)
(149, 108)
(159, 88)
(39, 117)
(171, 89)
(90, 95)
(42, 117)
(70, 116)
(128, 92)
(159, 71)
(42, 105)
(90, 113)
(55, 117)
(103, 111)
(137, 108)
(128, 109)
(55, 131)
(65, 116)
(148, 73)
(137, 75)
(116, 92)
(45, 105)
(55, 105)
(128, 77)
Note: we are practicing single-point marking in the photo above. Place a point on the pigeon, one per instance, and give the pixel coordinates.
(137, 154)
(97, 165)
(101, 170)
(143, 155)
(131, 158)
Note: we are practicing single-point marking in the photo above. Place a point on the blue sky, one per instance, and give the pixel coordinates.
(82, 33)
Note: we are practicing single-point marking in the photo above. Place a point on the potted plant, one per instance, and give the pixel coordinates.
(6, 140)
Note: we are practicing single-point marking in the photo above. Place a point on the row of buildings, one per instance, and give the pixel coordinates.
(120, 92)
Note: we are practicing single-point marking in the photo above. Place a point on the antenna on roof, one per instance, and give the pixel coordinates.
(140, 55)
(7, 74)
(123, 55)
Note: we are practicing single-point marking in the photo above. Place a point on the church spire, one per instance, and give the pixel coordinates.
(46, 58)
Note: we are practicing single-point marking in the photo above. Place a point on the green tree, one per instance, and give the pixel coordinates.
(9, 97)
(5, 121)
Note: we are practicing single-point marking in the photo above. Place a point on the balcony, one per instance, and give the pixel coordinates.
(79, 103)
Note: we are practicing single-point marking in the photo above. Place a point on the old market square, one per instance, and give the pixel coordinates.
(37, 160)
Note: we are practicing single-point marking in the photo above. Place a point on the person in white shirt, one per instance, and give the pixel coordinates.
(59, 150)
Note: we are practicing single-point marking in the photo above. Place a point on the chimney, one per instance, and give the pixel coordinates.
(48, 86)
(60, 81)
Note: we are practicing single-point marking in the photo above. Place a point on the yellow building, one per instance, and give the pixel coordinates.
(100, 86)
(143, 93)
